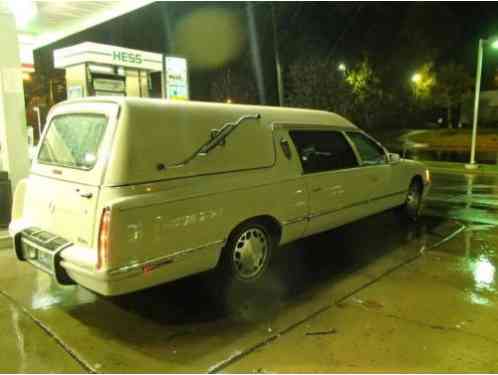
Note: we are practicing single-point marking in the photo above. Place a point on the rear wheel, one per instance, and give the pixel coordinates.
(247, 253)
(240, 276)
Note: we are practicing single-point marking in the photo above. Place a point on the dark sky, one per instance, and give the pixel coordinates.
(396, 37)
(409, 33)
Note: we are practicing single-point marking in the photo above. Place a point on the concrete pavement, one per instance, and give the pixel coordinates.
(435, 314)
(5, 240)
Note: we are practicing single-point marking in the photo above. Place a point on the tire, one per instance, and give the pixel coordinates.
(247, 254)
(246, 292)
(413, 203)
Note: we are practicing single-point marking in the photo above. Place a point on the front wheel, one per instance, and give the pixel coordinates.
(413, 203)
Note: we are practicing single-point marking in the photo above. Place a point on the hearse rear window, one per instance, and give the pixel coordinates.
(73, 140)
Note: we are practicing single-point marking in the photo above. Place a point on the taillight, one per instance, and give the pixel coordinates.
(104, 240)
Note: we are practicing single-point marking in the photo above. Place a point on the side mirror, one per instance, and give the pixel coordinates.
(394, 158)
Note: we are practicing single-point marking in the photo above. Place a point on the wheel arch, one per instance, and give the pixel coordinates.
(270, 222)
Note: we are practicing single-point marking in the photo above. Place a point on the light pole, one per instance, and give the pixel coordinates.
(480, 48)
(278, 66)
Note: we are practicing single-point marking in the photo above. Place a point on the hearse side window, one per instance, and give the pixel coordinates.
(370, 152)
(321, 151)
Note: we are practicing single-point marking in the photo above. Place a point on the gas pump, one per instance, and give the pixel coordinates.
(94, 69)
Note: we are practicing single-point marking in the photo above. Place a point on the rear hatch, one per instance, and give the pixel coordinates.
(67, 173)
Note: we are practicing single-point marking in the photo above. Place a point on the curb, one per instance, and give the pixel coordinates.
(461, 171)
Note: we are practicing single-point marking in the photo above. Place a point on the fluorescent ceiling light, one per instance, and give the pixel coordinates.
(23, 10)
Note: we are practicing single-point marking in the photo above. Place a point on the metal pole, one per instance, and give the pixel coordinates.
(476, 105)
(164, 93)
(280, 84)
(38, 118)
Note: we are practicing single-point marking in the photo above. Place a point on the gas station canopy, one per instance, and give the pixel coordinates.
(40, 23)
(24, 26)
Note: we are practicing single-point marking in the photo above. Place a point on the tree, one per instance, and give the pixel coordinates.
(234, 85)
(315, 82)
(453, 85)
(366, 92)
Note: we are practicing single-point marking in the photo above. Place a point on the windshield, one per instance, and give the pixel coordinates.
(73, 140)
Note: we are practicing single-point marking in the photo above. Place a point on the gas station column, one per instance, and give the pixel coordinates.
(13, 132)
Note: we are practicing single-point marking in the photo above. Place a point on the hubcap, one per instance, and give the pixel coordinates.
(251, 251)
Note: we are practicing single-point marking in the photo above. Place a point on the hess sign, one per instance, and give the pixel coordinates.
(107, 54)
(127, 57)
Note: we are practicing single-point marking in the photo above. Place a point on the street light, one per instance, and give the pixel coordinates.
(342, 67)
(416, 78)
(494, 44)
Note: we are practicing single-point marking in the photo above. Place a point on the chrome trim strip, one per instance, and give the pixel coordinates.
(322, 213)
(389, 195)
(295, 221)
(160, 261)
(312, 216)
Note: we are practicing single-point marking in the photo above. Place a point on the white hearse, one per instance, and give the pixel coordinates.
(127, 193)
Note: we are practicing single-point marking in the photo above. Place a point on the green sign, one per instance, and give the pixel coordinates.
(127, 57)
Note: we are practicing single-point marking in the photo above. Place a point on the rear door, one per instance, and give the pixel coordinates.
(67, 172)
(329, 170)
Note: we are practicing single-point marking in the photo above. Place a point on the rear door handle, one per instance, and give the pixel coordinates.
(87, 195)
(316, 189)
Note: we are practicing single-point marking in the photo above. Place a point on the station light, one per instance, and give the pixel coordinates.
(23, 10)
(416, 78)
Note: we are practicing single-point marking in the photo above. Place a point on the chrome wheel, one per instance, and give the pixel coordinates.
(413, 200)
(250, 253)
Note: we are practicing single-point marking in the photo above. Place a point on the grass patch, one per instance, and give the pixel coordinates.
(456, 139)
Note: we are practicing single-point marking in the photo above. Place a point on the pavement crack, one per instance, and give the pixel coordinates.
(88, 368)
(439, 327)
(421, 323)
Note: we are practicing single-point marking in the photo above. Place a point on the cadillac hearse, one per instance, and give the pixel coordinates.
(128, 193)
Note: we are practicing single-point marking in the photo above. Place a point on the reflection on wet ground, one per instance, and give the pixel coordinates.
(466, 197)
(371, 296)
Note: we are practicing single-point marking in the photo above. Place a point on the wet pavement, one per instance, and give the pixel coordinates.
(466, 197)
(376, 295)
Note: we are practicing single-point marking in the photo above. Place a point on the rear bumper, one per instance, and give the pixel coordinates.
(70, 264)
(132, 278)
(43, 250)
